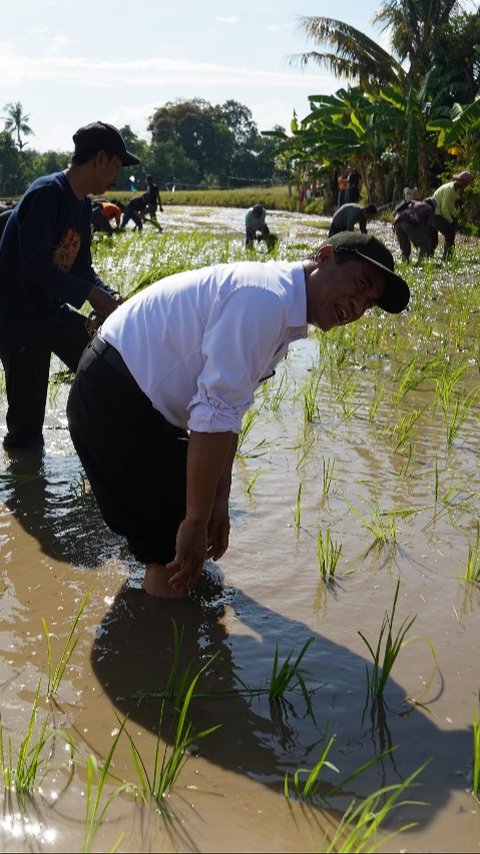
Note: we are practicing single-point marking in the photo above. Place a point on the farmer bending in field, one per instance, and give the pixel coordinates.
(351, 214)
(173, 370)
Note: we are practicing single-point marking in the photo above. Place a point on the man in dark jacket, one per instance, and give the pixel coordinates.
(45, 268)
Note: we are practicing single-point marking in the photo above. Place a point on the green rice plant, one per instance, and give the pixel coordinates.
(248, 421)
(307, 447)
(290, 675)
(384, 532)
(376, 401)
(279, 392)
(252, 481)
(328, 468)
(402, 430)
(456, 414)
(309, 788)
(297, 512)
(383, 660)
(310, 391)
(167, 765)
(328, 554)
(95, 807)
(56, 672)
(21, 774)
(476, 753)
(358, 829)
(472, 571)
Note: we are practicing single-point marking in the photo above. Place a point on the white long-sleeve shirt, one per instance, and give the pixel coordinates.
(199, 343)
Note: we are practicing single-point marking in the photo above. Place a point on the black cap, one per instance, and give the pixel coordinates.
(397, 293)
(99, 136)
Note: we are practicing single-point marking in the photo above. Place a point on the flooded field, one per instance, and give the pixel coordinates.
(363, 449)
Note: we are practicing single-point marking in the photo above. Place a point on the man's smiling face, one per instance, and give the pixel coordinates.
(346, 291)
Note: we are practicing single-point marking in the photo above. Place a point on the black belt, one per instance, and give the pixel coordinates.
(109, 354)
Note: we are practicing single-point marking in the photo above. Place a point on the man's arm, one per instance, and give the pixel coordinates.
(209, 464)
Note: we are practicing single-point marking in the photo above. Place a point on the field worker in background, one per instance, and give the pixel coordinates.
(349, 215)
(102, 213)
(45, 268)
(171, 374)
(135, 210)
(413, 224)
(153, 200)
(446, 213)
(255, 226)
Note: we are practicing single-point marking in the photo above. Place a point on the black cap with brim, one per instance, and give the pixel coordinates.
(397, 293)
(99, 136)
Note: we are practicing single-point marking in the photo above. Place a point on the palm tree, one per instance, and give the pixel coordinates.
(16, 122)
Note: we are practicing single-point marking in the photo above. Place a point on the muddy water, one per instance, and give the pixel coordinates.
(265, 595)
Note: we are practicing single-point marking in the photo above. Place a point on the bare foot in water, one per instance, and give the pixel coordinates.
(156, 583)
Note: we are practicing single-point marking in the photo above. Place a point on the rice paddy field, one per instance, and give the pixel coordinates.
(320, 691)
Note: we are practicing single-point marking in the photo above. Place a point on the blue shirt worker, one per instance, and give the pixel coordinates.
(45, 270)
(176, 367)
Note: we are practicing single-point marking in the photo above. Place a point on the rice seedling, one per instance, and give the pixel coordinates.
(472, 571)
(328, 554)
(95, 807)
(310, 391)
(56, 673)
(306, 450)
(476, 753)
(383, 661)
(455, 415)
(375, 402)
(289, 675)
(297, 512)
(252, 481)
(248, 422)
(309, 788)
(402, 430)
(279, 392)
(167, 765)
(21, 774)
(384, 533)
(328, 468)
(359, 826)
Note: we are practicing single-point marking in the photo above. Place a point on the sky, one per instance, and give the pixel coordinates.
(70, 63)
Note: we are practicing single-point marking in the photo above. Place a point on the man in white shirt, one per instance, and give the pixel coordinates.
(157, 403)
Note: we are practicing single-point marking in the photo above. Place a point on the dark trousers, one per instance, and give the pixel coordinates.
(448, 229)
(135, 460)
(26, 362)
(424, 240)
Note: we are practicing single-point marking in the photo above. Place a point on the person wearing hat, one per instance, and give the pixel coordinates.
(46, 272)
(172, 372)
(446, 198)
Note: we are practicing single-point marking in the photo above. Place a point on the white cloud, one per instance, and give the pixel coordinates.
(232, 19)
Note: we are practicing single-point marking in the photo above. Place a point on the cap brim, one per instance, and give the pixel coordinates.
(397, 293)
(130, 159)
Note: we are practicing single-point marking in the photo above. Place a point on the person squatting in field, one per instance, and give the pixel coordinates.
(45, 269)
(170, 375)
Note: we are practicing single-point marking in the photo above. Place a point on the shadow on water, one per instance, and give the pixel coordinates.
(133, 655)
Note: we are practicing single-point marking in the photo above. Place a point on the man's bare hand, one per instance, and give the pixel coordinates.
(102, 302)
(191, 554)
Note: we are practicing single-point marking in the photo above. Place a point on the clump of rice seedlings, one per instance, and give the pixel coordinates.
(328, 554)
(359, 826)
(456, 414)
(167, 765)
(21, 774)
(384, 532)
(328, 468)
(95, 806)
(376, 400)
(310, 391)
(248, 421)
(383, 660)
(476, 754)
(309, 788)
(289, 676)
(402, 430)
(472, 571)
(56, 672)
